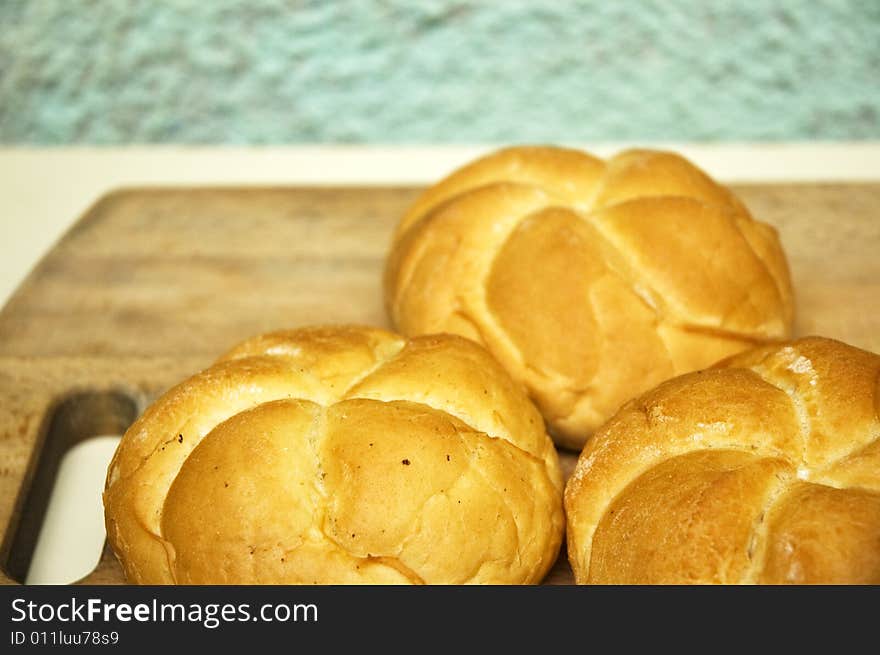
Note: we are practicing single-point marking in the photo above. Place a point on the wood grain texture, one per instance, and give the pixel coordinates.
(151, 285)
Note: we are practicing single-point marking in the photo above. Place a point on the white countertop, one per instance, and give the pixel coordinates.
(43, 191)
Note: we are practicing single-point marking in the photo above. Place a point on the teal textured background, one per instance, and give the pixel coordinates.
(256, 72)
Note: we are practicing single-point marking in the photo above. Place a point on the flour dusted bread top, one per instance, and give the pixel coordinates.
(338, 455)
(590, 280)
(764, 469)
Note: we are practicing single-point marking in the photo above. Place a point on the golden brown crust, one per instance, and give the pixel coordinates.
(338, 455)
(763, 468)
(589, 280)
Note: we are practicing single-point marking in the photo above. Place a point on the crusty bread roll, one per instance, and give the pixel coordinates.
(590, 281)
(764, 469)
(338, 455)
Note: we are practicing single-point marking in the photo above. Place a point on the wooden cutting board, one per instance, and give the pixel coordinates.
(151, 285)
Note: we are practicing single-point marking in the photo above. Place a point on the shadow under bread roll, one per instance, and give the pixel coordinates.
(590, 280)
(762, 469)
(338, 455)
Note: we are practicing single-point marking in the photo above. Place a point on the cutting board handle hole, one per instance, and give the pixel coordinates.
(69, 433)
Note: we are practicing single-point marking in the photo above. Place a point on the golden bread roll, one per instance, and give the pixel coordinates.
(338, 455)
(762, 469)
(590, 281)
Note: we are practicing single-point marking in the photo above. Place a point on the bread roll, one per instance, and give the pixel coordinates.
(338, 455)
(763, 469)
(590, 281)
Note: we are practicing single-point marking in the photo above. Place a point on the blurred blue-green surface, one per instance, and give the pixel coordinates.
(262, 71)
